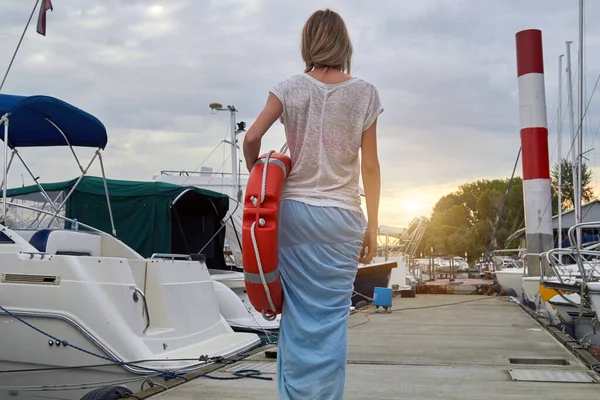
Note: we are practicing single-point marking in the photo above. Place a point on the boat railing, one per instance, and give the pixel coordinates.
(59, 216)
(502, 258)
(197, 173)
(555, 260)
(169, 256)
(585, 261)
(504, 262)
(574, 235)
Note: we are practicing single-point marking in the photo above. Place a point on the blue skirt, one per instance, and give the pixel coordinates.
(319, 248)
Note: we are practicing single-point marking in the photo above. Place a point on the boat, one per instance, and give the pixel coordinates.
(159, 218)
(232, 185)
(575, 286)
(80, 308)
(370, 276)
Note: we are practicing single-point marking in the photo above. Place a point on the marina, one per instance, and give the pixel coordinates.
(450, 347)
(146, 284)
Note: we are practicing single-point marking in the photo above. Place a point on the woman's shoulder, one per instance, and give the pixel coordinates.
(295, 82)
(364, 84)
(290, 80)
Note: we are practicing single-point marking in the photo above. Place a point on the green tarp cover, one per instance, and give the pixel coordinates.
(143, 216)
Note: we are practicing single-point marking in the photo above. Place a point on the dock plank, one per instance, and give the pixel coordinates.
(427, 349)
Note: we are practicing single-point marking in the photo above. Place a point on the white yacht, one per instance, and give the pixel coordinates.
(79, 308)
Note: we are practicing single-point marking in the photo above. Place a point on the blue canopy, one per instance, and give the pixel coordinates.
(29, 126)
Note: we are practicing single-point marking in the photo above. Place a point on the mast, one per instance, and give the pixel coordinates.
(534, 145)
(580, 75)
(234, 154)
(236, 185)
(559, 131)
(571, 123)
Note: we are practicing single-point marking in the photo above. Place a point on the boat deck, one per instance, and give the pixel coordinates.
(431, 347)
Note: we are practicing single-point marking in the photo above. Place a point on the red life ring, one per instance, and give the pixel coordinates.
(260, 233)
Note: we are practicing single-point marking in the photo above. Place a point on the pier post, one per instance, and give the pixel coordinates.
(534, 144)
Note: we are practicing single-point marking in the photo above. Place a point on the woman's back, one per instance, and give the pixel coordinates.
(324, 123)
(329, 117)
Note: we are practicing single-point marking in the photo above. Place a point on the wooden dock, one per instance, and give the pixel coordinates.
(430, 347)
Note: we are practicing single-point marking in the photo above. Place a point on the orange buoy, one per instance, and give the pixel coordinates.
(260, 233)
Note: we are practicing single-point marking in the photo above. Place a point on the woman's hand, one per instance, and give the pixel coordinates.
(369, 247)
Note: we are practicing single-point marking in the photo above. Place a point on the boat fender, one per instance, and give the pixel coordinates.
(108, 393)
(528, 303)
(260, 223)
(566, 328)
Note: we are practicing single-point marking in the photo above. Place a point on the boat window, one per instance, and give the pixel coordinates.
(5, 239)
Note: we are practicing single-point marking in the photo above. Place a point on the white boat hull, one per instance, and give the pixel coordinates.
(531, 288)
(239, 313)
(96, 305)
(511, 278)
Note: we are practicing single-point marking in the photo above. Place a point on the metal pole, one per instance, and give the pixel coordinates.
(12, 157)
(234, 159)
(5, 179)
(572, 124)
(559, 122)
(580, 76)
(110, 214)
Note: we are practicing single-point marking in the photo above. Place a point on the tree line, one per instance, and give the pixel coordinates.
(465, 220)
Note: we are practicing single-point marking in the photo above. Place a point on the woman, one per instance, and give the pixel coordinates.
(329, 117)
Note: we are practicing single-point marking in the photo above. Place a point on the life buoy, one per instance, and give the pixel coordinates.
(260, 230)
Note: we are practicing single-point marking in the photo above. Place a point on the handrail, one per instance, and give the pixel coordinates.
(574, 243)
(35, 253)
(183, 171)
(580, 225)
(560, 269)
(139, 291)
(56, 216)
(170, 256)
(507, 250)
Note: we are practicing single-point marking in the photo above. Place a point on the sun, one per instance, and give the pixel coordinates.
(410, 205)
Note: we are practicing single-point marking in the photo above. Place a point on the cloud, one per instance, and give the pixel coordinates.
(446, 73)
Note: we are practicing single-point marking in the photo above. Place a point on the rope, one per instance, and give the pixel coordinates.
(261, 222)
(284, 148)
(262, 274)
(167, 375)
(242, 373)
(263, 187)
(489, 252)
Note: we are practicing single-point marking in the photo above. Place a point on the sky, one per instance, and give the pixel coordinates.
(445, 71)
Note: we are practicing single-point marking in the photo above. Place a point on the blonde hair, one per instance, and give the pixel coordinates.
(325, 42)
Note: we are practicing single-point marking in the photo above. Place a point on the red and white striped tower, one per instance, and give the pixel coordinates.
(534, 146)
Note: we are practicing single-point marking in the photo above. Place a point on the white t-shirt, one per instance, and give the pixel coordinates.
(324, 124)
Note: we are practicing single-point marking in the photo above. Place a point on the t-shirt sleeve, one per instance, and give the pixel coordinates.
(374, 109)
(278, 91)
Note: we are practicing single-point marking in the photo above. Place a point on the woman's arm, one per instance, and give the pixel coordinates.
(372, 183)
(266, 118)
